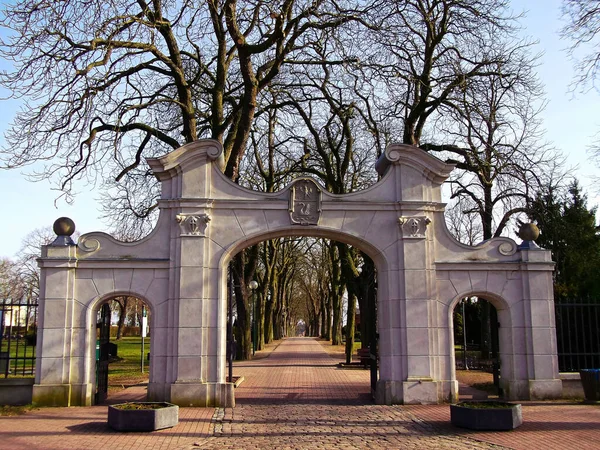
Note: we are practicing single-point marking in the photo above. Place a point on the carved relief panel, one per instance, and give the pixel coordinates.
(413, 227)
(193, 224)
(305, 202)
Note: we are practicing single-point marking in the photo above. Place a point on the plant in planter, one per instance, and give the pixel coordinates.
(142, 416)
(486, 415)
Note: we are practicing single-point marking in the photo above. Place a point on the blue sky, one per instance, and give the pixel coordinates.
(571, 122)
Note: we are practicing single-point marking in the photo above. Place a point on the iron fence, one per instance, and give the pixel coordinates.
(18, 334)
(577, 334)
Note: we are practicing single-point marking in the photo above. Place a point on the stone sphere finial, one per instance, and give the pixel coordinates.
(63, 226)
(529, 232)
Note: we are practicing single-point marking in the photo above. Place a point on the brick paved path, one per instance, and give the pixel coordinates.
(86, 428)
(546, 425)
(298, 399)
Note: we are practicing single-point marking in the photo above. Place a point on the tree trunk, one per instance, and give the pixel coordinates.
(486, 334)
(336, 294)
(268, 321)
(316, 325)
(326, 324)
(123, 303)
(336, 326)
(260, 320)
(350, 325)
(243, 309)
(486, 330)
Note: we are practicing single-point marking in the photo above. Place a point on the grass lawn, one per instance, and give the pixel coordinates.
(20, 363)
(19, 349)
(471, 354)
(339, 351)
(126, 370)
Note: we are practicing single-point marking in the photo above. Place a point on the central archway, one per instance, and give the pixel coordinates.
(249, 303)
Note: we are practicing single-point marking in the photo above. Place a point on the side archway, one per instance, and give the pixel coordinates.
(121, 337)
(500, 333)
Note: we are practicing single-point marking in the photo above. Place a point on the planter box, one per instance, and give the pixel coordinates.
(123, 417)
(486, 416)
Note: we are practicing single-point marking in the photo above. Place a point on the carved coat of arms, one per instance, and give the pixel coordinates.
(413, 227)
(305, 202)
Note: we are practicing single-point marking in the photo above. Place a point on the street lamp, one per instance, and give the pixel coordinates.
(464, 324)
(253, 285)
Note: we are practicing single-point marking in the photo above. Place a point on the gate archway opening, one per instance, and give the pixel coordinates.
(122, 349)
(327, 286)
(476, 345)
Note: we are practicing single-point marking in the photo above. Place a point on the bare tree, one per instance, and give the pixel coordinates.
(11, 284)
(427, 49)
(126, 308)
(25, 278)
(313, 281)
(461, 221)
(492, 133)
(20, 278)
(115, 82)
(582, 29)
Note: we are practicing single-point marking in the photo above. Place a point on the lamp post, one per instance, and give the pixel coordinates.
(231, 353)
(253, 285)
(464, 320)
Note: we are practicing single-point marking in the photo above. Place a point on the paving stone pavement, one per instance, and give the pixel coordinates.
(555, 425)
(298, 399)
(86, 428)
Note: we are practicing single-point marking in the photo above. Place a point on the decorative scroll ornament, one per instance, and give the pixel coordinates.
(507, 248)
(88, 244)
(413, 227)
(193, 225)
(305, 202)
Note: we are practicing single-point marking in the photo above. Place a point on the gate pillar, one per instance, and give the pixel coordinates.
(198, 368)
(536, 374)
(196, 347)
(60, 376)
(409, 315)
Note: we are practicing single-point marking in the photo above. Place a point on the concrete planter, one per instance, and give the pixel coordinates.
(486, 415)
(142, 416)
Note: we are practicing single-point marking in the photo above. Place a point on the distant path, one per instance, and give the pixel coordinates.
(300, 371)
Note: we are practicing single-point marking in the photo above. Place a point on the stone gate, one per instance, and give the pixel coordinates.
(180, 271)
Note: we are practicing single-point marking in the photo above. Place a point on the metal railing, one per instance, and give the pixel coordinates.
(18, 334)
(578, 333)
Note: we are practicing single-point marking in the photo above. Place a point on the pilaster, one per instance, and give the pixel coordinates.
(540, 329)
(59, 331)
